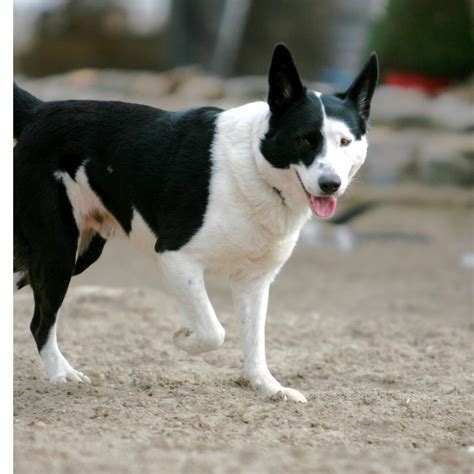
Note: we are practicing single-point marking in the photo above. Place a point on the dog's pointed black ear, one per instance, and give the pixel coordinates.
(360, 92)
(284, 82)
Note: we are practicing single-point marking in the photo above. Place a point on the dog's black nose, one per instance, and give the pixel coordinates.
(329, 183)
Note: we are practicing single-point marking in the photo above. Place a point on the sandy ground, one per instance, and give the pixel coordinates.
(379, 339)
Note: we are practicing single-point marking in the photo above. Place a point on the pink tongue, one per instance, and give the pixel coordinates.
(323, 207)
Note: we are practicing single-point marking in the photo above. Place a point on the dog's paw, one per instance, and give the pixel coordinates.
(70, 376)
(286, 393)
(269, 387)
(193, 343)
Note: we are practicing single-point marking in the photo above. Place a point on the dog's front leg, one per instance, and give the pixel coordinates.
(251, 301)
(201, 331)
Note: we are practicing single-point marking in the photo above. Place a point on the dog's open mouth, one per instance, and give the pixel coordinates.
(323, 207)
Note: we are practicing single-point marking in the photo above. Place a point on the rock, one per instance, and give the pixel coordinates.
(207, 87)
(397, 106)
(452, 113)
(464, 91)
(247, 87)
(434, 157)
(152, 85)
(81, 77)
(446, 159)
(404, 107)
(247, 417)
(389, 152)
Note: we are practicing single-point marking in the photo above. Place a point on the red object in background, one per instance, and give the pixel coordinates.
(417, 81)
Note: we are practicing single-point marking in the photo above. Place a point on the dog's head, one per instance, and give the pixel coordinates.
(319, 140)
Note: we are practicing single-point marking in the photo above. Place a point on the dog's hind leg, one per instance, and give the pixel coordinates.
(49, 277)
(202, 331)
(90, 254)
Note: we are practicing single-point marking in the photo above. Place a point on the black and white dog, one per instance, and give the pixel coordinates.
(201, 191)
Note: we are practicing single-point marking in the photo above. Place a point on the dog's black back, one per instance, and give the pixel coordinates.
(130, 154)
(102, 137)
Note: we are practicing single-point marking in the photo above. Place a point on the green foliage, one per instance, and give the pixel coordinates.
(430, 37)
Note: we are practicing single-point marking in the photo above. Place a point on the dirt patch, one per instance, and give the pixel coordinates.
(379, 339)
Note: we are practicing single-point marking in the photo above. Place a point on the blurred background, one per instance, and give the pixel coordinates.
(180, 53)
(384, 306)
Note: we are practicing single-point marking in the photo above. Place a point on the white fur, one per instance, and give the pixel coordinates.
(201, 331)
(342, 161)
(86, 204)
(58, 368)
(251, 301)
(248, 233)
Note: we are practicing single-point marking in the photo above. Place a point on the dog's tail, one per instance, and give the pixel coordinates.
(24, 109)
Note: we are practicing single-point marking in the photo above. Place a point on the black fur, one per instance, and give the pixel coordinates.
(353, 106)
(24, 109)
(142, 158)
(344, 111)
(90, 255)
(284, 82)
(134, 156)
(360, 92)
(294, 135)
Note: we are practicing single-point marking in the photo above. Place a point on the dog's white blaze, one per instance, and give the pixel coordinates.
(58, 368)
(342, 161)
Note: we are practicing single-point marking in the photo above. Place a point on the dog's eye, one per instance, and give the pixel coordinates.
(345, 142)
